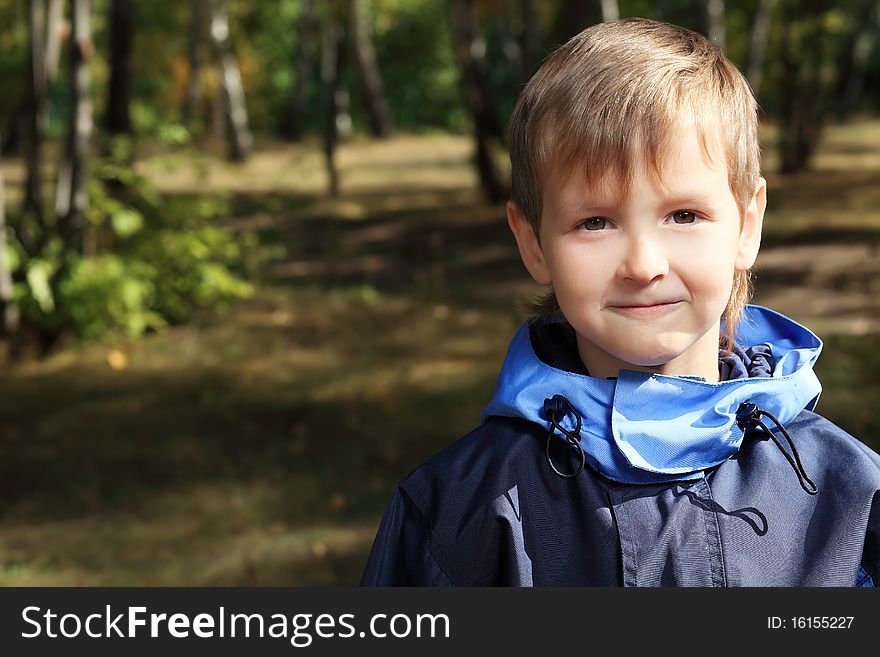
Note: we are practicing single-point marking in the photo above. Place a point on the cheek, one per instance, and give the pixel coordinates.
(712, 261)
(709, 278)
(582, 272)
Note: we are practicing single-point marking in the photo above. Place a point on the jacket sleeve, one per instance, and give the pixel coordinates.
(400, 554)
(871, 555)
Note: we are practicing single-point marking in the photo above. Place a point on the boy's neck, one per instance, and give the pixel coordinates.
(700, 360)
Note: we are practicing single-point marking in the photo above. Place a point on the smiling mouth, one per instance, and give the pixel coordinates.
(644, 310)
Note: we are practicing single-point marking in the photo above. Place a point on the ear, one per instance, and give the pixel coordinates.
(527, 242)
(753, 222)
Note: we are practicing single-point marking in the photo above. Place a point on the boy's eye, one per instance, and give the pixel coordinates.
(593, 223)
(684, 217)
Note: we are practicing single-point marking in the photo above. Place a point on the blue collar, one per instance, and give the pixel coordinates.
(652, 428)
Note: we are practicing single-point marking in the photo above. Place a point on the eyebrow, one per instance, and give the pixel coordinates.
(601, 205)
(689, 200)
(594, 203)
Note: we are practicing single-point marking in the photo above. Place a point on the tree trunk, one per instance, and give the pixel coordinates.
(788, 90)
(194, 45)
(758, 44)
(855, 83)
(240, 140)
(573, 16)
(330, 65)
(610, 10)
(17, 127)
(117, 119)
(802, 53)
(219, 118)
(292, 127)
(72, 193)
(54, 32)
(35, 117)
(503, 52)
(531, 39)
(854, 55)
(470, 48)
(715, 22)
(365, 54)
(8, 308)
(662, 9)
(470, 51)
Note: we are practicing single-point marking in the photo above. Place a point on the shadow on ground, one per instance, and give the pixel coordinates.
(260, 446)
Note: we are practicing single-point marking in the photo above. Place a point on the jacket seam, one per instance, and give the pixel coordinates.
(713, 535)
(429, 535)
(628, 548)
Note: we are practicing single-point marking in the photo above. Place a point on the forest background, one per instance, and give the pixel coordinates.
(254, 265)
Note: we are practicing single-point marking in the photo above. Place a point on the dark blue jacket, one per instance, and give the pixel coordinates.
(722, 501)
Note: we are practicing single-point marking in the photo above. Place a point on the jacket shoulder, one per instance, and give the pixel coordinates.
(467, 502)
(489, 452)
(816, 432)
(841, 461)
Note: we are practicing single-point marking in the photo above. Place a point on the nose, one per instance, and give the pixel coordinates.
(645, 260)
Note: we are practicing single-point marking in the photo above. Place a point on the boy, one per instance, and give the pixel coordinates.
(649, 428)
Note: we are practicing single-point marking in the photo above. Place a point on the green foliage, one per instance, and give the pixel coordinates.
(154, 261)
(414, 50)
(39, 273)
(173, 134)
(110, 296)
(192, 267)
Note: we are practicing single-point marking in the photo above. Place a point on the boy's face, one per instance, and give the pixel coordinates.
(644, 278)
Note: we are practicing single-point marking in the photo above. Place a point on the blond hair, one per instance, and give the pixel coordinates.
(622, 90)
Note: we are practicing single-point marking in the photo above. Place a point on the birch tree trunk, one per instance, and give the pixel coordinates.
(365, 54)
(54, 30)
(470, 50)
(35, 119)
(17, 126)
(610, 10)
(758, 44)
(715, 22)
(72, 194)
(240, 140)
(194, 45)
(117, 119)
(292, 126)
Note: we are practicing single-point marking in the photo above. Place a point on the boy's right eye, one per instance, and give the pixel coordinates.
(593, 223)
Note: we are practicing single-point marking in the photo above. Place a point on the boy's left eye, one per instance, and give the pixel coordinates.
(684, 217)
(593, 223)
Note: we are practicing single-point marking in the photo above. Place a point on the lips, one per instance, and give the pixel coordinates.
(654, 310)
(649, 304)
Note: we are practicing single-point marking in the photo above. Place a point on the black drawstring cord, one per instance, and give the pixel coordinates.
(748, 416)
(556, 408)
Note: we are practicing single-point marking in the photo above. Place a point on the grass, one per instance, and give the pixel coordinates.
(259, 446)
(256, 447)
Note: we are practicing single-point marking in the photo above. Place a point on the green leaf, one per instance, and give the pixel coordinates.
(173, 134)
(38, 280)
(126, 222)
(13, 257)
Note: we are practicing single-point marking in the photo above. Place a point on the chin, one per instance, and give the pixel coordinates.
(652, 359)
